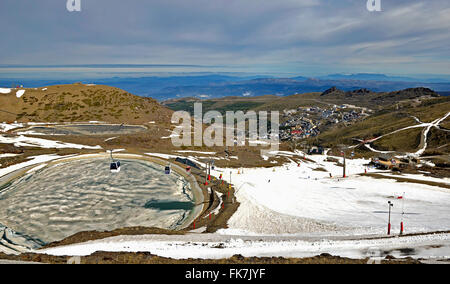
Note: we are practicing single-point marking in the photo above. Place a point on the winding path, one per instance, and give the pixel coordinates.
(423, 141)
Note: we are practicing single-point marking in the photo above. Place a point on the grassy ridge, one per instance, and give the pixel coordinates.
(391, 119)
(79, 102)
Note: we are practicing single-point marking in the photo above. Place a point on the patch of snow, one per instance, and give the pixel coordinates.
(216, 211)
(258, 142)
(35, 169)
(31, 132)
(117, 150)
(41, 123)
(188, 151)
(428, 163)
(109, 139)
(33, 161)
(198, 230)
(171, 135)
(20, 93)
(377, 151)
(5, 127)
(164, 156)
(23, 141)
(8, 155)
(5, 91)
(435, 123)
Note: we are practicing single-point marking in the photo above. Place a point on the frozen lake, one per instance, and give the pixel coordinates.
(60, 200)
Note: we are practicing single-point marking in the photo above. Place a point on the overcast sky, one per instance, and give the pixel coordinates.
(308, 37)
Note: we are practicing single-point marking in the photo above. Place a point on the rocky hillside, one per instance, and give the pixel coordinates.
(365, 97)
(359, 97)
(79, 102)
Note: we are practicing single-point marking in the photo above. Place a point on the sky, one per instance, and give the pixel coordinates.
(305, 37)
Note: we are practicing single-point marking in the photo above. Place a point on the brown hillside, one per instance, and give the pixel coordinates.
(79, 102)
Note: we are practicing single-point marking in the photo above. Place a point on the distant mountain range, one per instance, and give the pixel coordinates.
(381, 77)
(216, 85)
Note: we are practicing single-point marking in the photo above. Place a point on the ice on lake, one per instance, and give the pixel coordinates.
(61, 200)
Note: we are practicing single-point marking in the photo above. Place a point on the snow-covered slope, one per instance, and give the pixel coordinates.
(347, 206)
(209, 246)
(299, 211)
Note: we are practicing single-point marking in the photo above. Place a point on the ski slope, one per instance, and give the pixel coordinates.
(297, 211)
(345, 206)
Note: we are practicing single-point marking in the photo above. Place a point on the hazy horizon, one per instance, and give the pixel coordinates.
(104, 71)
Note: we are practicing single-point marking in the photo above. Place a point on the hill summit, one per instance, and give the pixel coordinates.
(367, 97)
(79, 102)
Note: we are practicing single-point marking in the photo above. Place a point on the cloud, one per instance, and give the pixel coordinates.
(321, 36)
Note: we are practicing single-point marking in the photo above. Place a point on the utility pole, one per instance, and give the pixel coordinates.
(389, 220)
(343, 153)
(343, 175)
(210, 162)
(206, 173)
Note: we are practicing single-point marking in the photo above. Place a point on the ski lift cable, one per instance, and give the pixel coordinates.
(8, 112)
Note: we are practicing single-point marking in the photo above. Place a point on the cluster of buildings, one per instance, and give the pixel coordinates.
(305, 122)
(299, 128)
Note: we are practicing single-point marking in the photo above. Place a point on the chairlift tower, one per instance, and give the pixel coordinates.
(403, 214)
(389, 218)
(345, 164)
(206, 173)
(343, 149)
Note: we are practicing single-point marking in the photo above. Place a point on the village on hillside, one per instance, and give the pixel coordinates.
(306, 122)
